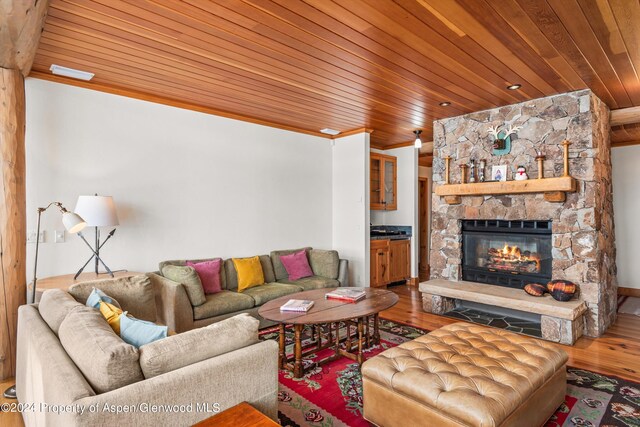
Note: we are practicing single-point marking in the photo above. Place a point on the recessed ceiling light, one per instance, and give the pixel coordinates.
(514, 87)
(70, 72)
(445, 103)
(330, 131)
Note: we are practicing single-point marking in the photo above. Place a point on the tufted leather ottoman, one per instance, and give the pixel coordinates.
(465, 375)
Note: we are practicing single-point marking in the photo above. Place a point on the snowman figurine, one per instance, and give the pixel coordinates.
(521, 174)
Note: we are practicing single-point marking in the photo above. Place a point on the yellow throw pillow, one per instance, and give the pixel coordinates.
(249, 272)
(112, 314)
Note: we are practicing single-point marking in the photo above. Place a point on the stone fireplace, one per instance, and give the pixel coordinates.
(579, 230)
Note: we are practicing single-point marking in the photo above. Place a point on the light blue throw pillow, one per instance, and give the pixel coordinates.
(140, 332)
(96, 296)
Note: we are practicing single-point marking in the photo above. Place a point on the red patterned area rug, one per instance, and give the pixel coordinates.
(330, 395)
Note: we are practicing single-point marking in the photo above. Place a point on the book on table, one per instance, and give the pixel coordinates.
(301, 305)
(345, 294)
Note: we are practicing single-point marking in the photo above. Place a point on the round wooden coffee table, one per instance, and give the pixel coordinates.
(330, 313)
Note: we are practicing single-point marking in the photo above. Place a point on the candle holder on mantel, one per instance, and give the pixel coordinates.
(472, 171)
(463, 174)
(447, 161)
(540, 158)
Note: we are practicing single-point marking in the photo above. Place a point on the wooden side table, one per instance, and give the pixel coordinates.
(241, 415)
(65, 281)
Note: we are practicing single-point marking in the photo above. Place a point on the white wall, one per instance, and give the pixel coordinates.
(407, 212)
(351, 204)
(626, 205)
(185, 184)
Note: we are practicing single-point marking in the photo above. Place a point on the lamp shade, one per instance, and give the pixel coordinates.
(73, 222)
(418, 142)
(97, 211)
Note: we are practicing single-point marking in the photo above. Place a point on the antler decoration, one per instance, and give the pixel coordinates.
(494, 131)
(511, 130)
(508, 131)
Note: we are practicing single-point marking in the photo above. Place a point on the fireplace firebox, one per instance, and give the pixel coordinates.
(506, 253)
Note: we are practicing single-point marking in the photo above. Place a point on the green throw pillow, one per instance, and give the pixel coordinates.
(189, 279)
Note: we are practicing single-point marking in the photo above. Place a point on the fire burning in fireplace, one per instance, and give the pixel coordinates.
(512, 259)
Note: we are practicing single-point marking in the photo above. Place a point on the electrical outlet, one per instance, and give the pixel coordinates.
(59, 237)
(31, 236)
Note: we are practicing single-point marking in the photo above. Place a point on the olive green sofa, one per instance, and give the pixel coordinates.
(180, 315)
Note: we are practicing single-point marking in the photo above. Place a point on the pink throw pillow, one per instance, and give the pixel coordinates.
(209, 273)
(297, 265)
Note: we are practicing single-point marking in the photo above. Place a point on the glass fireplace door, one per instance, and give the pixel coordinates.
(509, 257)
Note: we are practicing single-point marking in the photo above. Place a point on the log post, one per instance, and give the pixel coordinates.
(13, 232)
(21, 23)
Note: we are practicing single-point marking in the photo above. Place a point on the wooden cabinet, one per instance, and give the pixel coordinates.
(379, 263)
(383, 182)
(399, 260)
(390, 261)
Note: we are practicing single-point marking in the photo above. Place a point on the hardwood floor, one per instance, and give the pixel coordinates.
(615, 353)
(9, 419)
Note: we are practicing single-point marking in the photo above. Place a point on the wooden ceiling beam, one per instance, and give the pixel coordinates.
(21, 23)
(625, 116)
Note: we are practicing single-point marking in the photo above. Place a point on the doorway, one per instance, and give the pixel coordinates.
(424, 194)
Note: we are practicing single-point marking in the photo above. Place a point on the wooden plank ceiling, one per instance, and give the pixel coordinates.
(347, 64)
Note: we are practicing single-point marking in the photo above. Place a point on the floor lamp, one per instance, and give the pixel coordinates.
(73, 223)
(97, 211)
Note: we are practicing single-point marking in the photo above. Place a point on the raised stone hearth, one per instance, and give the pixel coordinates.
(582, 226)
(561, 322)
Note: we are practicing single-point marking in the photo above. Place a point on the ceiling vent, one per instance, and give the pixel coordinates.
(70, 72)
(331, 132)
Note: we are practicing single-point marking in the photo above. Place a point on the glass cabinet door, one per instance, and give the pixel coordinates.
(383, 177)
(376, 183)
(389, 184)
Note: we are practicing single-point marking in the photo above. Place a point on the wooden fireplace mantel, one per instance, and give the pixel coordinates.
(554, 189)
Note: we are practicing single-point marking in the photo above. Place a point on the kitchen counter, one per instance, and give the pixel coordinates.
(391, 232)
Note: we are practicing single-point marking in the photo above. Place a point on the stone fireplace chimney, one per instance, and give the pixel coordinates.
(583, 245)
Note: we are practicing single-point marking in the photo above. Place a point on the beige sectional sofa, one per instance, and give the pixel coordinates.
(180, 315)
(73, 370)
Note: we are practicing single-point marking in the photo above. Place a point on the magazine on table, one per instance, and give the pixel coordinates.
(346, 294)
(301, 305)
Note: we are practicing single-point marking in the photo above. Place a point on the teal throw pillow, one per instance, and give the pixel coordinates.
(140, 332)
